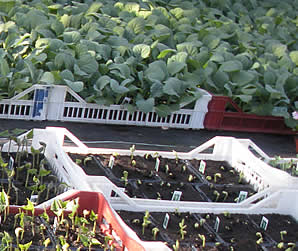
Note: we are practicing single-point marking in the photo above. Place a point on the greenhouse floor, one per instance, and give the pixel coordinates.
(115, 136)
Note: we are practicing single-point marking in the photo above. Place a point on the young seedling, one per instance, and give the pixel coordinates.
(87, 159)
(6, 241)
(18, 231)
(291, 246)
(241, 176)
(176, 156)
(190, 178)
(209, 178)
(182, 230)
(25, 247)
(4, 204)
(227, 214)
(146, 221)
(78, 161)
(30, 207)
(217, 194)
(176, 246)
(260, 240)
(281, 245)
(225, 194)
(203, 238)
(93, 217)
(183, 169)
(202, 222)
(196, 225)
(282, 234)
(133, 163)
(155, 231)
(124, 177)
(216, 175)
(167, 168)
(132, 150)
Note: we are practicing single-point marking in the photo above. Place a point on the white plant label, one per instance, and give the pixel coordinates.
(216, 225)
(242, 196)
(33, 198)
(10, 163)
(157, 162)
(111, 161)
(166, 221)
(176, 195)
(264, 223)
(202, 166)
(55, 224)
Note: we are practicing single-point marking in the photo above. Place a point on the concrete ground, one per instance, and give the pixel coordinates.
(97, 135)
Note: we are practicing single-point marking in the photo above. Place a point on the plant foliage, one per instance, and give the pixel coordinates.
(155, 52)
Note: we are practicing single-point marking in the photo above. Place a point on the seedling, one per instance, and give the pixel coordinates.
(196, 225)
(87, 159)
(203, 238)
(217, 194)
(222, 168)
(146, 221)
(260, 240)
(133, 163)
(124, 177)
(202, 222)
(182, 230)
(280, 245)
(78, 161)
(282, 234)
(176, 156)
(176, 246)
(155, 231)
(216, 175)
(241, 176)
(209, 178)
(227, 214)
(132, 150)
(167, 169)
(225, 194)
(190, 178)
(183, 168)
(4, 204)
(18, 231)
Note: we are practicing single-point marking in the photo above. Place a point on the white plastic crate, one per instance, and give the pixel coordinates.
(277, 190)
(49, 102)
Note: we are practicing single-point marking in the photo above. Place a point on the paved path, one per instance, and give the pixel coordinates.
(97, 135)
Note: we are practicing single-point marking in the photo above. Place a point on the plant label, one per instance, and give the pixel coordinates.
(157, 164)
(202, 166)
(242, 196)
(111, 161)
(10, 163)
(177, 195)
(264, 223)
(55, 224)
(216, 225)
(33, 198)
(166, 221)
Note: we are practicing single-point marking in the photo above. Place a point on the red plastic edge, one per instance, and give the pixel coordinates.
(217, 118)
(95, 201)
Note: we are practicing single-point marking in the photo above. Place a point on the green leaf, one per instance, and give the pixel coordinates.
(145, 105)
(156, 90)
(67, 74)
(76, 86)
(142, 49)
(102, 82)
(294, 57)
(242, 77)
(7, 5)
(88, 64)
(231, 66)
(157, 71)
(71, 36)
(117, 88)
(279, 50)
(137, 25)
(221, 78)
(163, 110)
(47, 78)
(172, 86)
(4, 67)
(165, 52)
(269, 78)
(175, 67)
(244, 98)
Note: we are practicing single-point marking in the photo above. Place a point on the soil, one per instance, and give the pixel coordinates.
(49, 186)
(143, 181)
(235, 230)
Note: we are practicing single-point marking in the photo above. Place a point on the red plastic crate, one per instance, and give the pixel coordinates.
(224, 114)
(107, 220)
